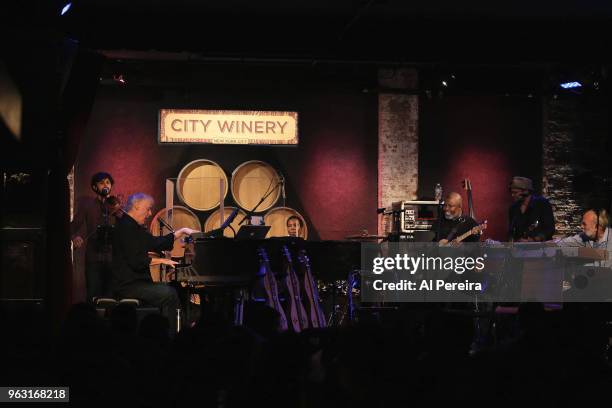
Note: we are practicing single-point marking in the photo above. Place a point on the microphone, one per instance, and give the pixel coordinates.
(229, 219)
(105, 191)
(165, 224)
(226, 223)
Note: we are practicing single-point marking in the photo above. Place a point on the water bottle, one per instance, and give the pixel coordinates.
(438, 192)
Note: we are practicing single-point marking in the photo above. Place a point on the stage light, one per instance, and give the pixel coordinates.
(448, 80)
(66, 8)
(570, 85)
(120, 79)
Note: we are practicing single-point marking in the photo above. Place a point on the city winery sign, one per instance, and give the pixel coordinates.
(228, 127)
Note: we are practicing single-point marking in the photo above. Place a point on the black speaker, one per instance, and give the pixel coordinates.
(25, 324)
(23, 267)
(24, 195)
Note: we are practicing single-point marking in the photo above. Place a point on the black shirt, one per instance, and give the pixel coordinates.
(131, 244)
(451, 229)
(536, 222)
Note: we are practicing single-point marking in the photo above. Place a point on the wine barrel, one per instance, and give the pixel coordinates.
(277, 218)
(198, 184)
(251, 181)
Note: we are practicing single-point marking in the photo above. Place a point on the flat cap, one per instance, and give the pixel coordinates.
(522, 183)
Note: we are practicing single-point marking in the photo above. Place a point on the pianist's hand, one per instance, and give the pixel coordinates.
(184, 231)
(169, 262)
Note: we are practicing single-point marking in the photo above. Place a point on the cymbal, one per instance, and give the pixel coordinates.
(365, 237)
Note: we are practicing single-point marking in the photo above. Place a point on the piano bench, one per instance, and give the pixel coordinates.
(104, 306)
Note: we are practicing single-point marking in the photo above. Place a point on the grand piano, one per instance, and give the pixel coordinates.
(226, 270)
(236, 262)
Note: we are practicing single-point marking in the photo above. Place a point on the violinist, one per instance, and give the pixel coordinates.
(91, 230)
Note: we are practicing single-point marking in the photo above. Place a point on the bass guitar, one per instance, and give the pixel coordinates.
(473, 231)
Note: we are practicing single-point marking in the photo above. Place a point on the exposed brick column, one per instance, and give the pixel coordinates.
(576, 165)
(557, 173)
(398, 148)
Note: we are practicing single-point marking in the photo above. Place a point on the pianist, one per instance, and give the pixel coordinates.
(595, 234)
(131, 244)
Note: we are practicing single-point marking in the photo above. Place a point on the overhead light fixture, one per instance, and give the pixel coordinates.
(66, 8)
(570, 85)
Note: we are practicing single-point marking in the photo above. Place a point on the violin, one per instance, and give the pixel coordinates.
(112, 204)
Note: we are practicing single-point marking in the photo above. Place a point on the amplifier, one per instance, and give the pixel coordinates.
(405, 217)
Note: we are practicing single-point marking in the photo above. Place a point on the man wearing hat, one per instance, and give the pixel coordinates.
(531, 216)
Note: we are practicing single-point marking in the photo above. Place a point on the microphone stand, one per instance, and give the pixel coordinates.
(282, 181)
(252, 211)
(162, 268)
(226, 224)
(183, 303)
(439, 221)
(213, 233)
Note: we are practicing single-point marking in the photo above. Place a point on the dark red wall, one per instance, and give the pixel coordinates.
(331, 176)
(487, 139)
